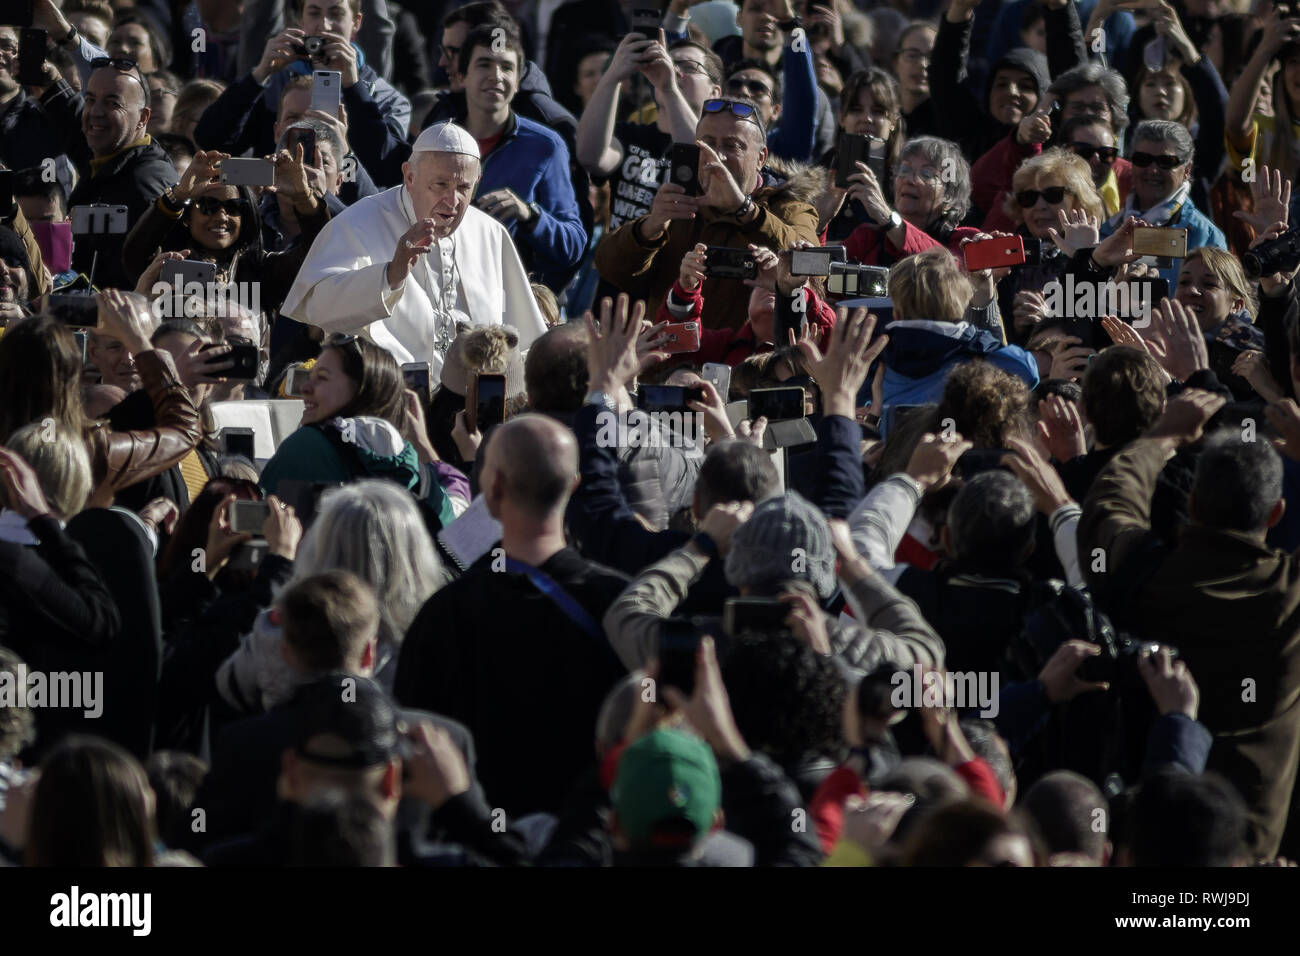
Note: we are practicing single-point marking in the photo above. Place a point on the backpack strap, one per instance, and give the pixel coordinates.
(561, 598)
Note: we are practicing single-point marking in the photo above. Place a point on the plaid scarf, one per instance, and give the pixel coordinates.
(1161, 214)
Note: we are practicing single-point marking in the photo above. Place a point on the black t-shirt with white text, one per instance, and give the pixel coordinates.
(633, 184)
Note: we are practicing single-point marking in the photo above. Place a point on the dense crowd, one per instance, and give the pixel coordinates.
(618, 432)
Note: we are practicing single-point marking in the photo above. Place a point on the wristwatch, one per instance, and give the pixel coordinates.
(894, 221)
(72, 36)
(537, 215)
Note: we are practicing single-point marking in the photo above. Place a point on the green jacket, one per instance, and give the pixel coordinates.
(310, 455)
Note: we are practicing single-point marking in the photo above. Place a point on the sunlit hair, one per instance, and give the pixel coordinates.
(929, 285)
(61, 463)
(1056, 167)
(374, 529)
(40, 376)
(1227, 269)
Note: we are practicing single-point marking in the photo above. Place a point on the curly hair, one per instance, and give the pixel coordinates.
(787, 699)
(17, 724)
(985, 404)
(1059, 167)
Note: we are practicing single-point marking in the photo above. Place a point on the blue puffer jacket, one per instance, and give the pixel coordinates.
(1201, 232)
(921, 353)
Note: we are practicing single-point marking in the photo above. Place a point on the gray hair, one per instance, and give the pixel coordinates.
(374, 529)
(991, 520)
(1094, 74)
(1237, 483)
(1166, 131)
(324, 132)
(945, 155)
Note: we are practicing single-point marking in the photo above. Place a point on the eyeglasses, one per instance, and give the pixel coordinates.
(210, 205)
(926, 174)
(1107, 154)
(1143, 160)
(748, 88)
(743, 110)
(691, 67)
(1054, 195)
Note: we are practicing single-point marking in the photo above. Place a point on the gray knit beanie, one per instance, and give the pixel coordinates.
(785, 539)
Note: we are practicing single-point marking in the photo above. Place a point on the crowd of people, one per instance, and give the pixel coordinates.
(629, 432)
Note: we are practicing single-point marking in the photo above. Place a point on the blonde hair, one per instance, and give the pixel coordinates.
(1227, 268)
(1064, 168)
(60, 461)
(929, 285)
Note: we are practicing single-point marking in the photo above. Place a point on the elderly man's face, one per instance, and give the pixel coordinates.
(441, 187)
(738, 143)
(115, 114)
(115, 362)
(1152, 184)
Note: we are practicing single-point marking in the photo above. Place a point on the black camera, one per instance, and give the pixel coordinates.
(312, 46)
(1277, 255)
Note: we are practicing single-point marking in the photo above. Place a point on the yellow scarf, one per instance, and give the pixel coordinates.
(194, 474)
(97, 164)
(1110, 195)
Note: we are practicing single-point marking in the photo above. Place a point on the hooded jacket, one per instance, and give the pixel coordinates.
(921, 353)
(963, 119)
(316, 453)
(647, 270)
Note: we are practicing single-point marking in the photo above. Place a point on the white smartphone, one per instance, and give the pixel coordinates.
(719, 376)
(327, 91)
(294, 380)
(248, 172)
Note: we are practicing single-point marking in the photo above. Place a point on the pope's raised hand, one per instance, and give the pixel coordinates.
(414, 243)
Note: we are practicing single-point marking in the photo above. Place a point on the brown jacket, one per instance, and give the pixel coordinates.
(1231, 605)
(120, 459)
(647, 271)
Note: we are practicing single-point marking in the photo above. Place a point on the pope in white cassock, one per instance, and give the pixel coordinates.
(404, 266)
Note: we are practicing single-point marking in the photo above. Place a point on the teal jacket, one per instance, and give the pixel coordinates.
(310, 455)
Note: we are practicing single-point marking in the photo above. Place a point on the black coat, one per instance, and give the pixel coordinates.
(495, 653)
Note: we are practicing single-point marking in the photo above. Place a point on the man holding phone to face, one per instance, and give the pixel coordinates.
(734, 210)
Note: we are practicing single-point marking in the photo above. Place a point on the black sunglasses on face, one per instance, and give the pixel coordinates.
(1107, 154)
(1028, 198)
(208, 205)
(748, 87)
(1143, 160)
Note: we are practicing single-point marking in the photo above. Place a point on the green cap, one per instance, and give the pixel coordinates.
(667, 775)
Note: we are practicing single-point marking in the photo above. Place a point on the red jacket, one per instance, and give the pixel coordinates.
(732, 346)
(827, 804)
(868, 245)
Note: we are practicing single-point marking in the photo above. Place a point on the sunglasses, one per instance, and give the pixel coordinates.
(1028, 198)
(748, 87)
(120, 63)
(209, 205)
(1143, 160)
(743, 110)
(1107, 154)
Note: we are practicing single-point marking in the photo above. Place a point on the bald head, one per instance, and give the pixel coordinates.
(555, 372)
(532, 464)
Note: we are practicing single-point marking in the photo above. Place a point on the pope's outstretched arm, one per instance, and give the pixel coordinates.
(341, 287)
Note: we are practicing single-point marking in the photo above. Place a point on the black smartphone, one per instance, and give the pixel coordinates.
(667, 398)
(490, 401)
(645, 18)
(776, 404)
(247, 517)
(73, 310)
(237, 441)
(850, 150)
(684, 167)
(721, 262)
(678, 641)
(245, 358)
(979, 460)
(895, 415)
(1145, 296)
(307, 137)
(764, 615)
(1033, 252)
(788, 315)
(6, 193)
(32, 48)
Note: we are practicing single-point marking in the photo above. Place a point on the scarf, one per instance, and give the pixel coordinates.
(1161, 214)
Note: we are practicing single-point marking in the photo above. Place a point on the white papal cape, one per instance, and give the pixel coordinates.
(343, 287)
